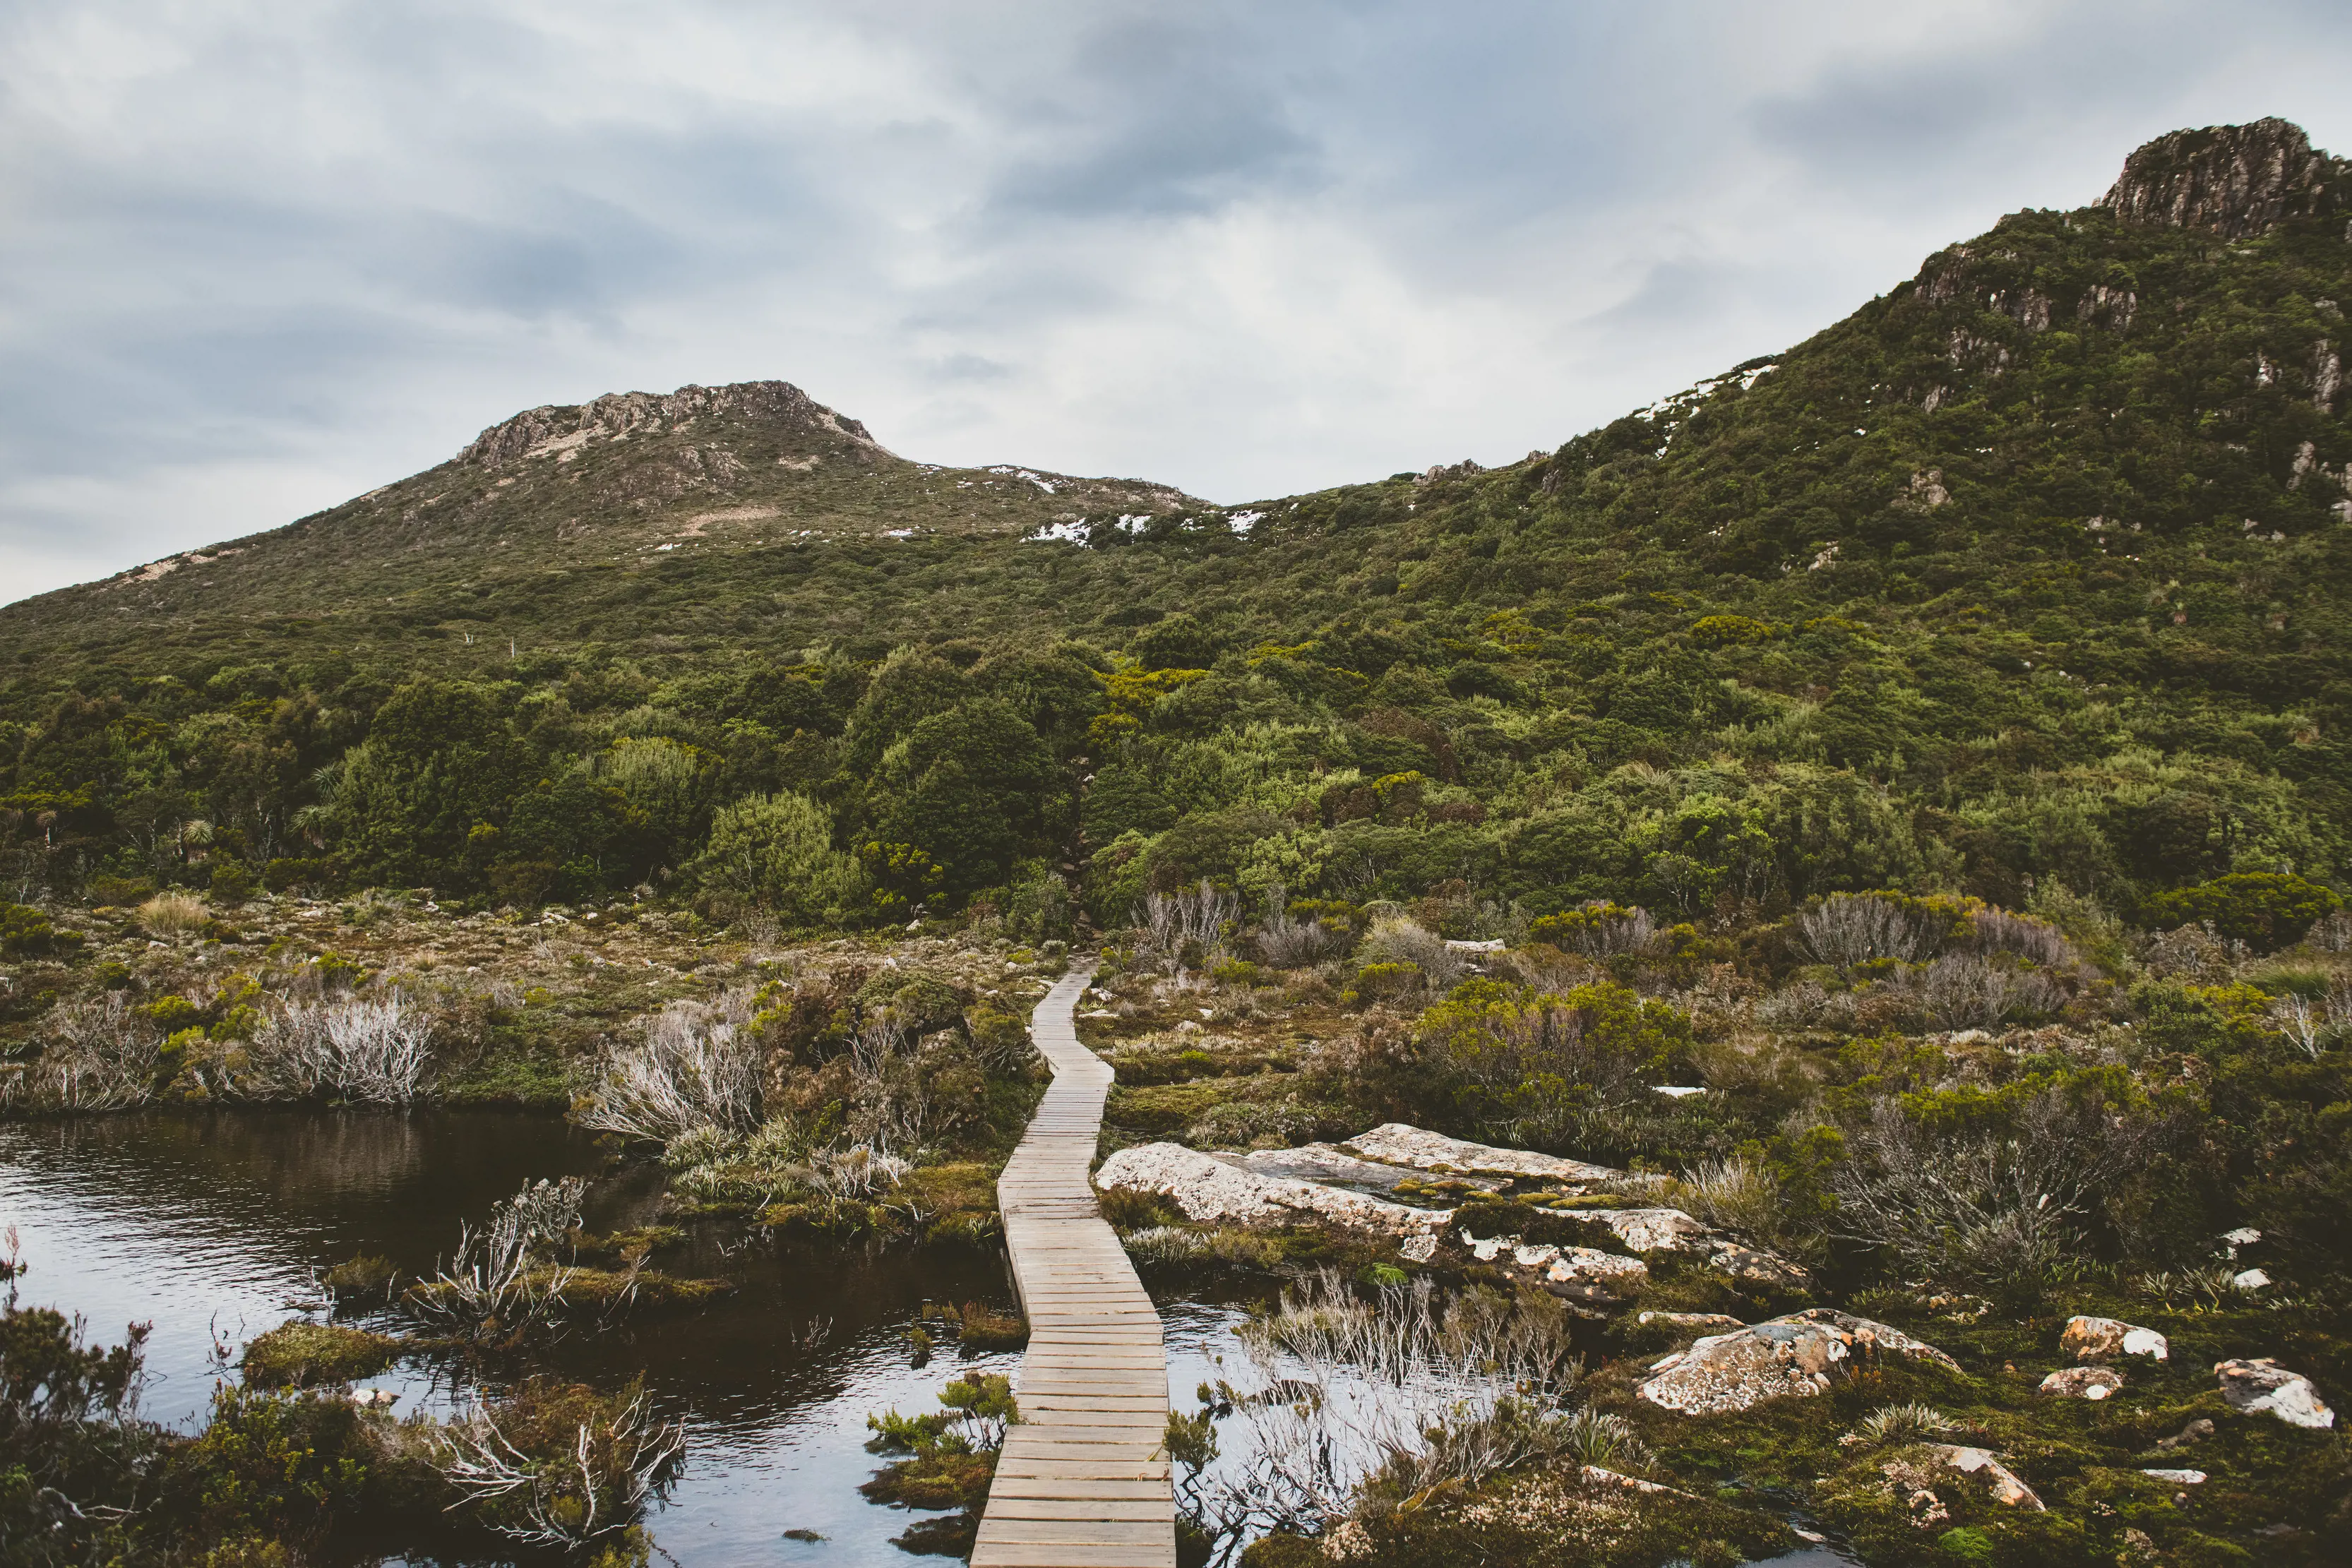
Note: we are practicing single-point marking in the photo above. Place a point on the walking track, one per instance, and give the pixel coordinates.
(1083, 1481)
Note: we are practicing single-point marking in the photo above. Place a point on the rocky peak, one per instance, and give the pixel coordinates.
(559, 430)
(2234, 180)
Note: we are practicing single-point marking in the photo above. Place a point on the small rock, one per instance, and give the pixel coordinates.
(2178, 1477)
(2197, 1431)
(2006, 1486)
(1419, 1249)
(2262, 1386)
(2083, 1381)
(2245, 1236)
(2250, 1279)
(2102, 1339)
(1676, 1091)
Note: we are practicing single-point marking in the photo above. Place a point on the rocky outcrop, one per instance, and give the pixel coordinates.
(2081, 1381)
(1799, 1355)
(2104, 1339)
(2234, 180)
(1400, 1144)
(553, 431)
(2262, 1386)
(1329, 1163)
(1211, 1189)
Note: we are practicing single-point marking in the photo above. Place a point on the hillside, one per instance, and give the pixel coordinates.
(2033, 568)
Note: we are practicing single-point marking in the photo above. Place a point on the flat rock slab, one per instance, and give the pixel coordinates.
(1083, 1481)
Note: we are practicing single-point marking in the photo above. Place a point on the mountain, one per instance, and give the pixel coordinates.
(2031, 571)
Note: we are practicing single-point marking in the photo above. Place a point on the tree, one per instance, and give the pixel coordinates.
(974, 787)
(775, 851)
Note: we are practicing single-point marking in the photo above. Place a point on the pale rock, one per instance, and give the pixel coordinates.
(2081, 1381)
(1800, 1353)
(2249, 1280)
(1207, 1188)
(2102, 1339)
(2178, 1477)
(2262, 1386)
(1402, 1144)
(1328, 1163)
(1691, 1320)
(2006, 1489)
(1419, 1249)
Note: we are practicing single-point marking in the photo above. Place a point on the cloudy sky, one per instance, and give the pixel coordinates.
(258, 256)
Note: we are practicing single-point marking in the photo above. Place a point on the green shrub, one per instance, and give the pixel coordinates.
(2265, 910)
(303, 1354)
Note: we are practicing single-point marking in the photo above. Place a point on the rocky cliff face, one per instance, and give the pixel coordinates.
(2235, 180)
(560, 432)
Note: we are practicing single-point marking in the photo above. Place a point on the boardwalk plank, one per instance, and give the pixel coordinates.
(1082, 1482)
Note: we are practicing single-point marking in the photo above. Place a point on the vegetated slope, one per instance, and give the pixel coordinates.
(612, 485)
(2032, 570)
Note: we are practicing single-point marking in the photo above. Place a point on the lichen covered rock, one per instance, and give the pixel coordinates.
(1402, 1144)
(1208, 1188)
(2102, 1339)
(2081, 1383)
(2262, 1386)
(1799, 1355)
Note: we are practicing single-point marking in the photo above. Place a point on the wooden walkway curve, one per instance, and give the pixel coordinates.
(1083, 1481)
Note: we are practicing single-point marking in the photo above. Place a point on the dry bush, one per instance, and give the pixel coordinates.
(1993, 1205)
(2192, 953)
(690, 1065)
(1610, 932)
(502, 1283)
(102, 1056)
(1333, 1390)
(1851, 929)
(1739, 1195)
(173, 914)
(1288, 943)
(1962, 990)
(562, 1466)
(374, 1053)
(1170, 927)
(2036, 941)
(2333, 935)
(1396, 940)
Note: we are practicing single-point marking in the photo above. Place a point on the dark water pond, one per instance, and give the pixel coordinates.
(211, 1224)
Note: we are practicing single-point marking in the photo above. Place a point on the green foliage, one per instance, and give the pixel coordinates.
(1552, 1071)
(303, 1354)
(2266, 910)
(775, 851)
(25, 931)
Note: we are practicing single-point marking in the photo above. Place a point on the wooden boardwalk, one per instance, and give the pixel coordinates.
(1083, 1481)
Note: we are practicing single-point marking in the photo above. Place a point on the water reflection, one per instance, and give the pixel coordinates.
(215, 1221)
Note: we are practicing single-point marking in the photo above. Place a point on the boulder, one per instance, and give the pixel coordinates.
(2104, 1339)
(1207, 1188)
(1800, 1353)
(1402, 1144)
(2006, 1487)
(2262, 1386)
(2083, 1381)
(2178, 1477)
(1650, 1230)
